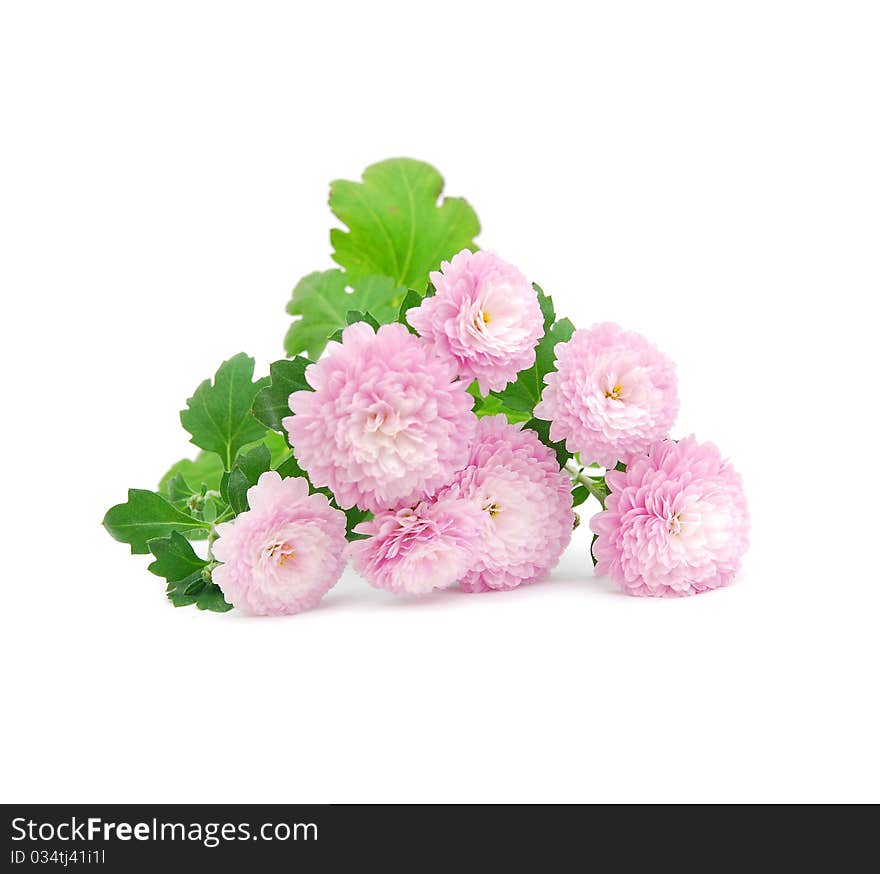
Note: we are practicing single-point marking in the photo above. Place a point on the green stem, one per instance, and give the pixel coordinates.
(594, 485)
(211, 538)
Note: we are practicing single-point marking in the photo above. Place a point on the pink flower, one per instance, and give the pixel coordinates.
(385, 425)
(285, 553)
(612, 395)
(418, 550)
(525, 501)
(676, 523)
(484, 319)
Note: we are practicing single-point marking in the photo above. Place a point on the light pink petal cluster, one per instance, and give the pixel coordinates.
(386, 424)
(611, 396)
(484, 319)
(675, 523)
(284, 553)
(418, 550)
(526, 505)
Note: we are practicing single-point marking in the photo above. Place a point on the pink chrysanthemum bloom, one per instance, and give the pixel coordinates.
(525, 501)
(418, 550)
(484, 318)
(285, 553)
(612, 394)
(676, 523)
(386, 424)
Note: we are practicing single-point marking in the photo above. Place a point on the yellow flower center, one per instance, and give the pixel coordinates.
(492, 508)
(615, 393)
(485, 319)
(282, 553)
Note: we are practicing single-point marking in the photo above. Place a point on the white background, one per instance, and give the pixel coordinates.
(705, 173)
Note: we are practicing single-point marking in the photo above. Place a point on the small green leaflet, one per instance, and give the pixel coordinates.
(588, 485)
(526, 392)
(205, 469)
(395, 226)
(177, 489)
(285, 377)
(218, 415)
(322, 301)
(351, 317)
(175, 558)
(548, 311)
(247, 470)
(412, 299)
(185, 477)
(188, 576)
(592, 554)
(145, 516)
(354, 516)
(579, 494)
(492, 406)
(542, 429)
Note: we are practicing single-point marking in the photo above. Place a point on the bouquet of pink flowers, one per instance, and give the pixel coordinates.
(436, 423)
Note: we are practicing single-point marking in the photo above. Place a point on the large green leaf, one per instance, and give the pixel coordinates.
(322, 301)
(395, 226)
(218, 415)
(145, 516)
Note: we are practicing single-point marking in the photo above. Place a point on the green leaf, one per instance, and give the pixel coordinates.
(548, 311)
(205, 469)
(290, 467)
(253, 463)
(542, 429)
(198, 590)
(492, 406)
(175, 558)
(412, 299)
(597, 488)
(525, 393)
(285, 377)
(182, 593)
(351, 317)
(188, 576)
(395, 226)
(322, 301)
(145, 516)
(247, 470)
(354, 516)
(178, 489)
(236, 485)
(218, 415)
(579, 494)
(211, 598)
(277, 446)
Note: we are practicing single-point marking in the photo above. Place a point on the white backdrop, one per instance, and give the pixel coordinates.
(706, 174)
